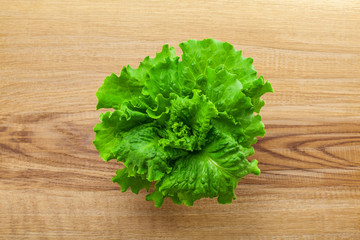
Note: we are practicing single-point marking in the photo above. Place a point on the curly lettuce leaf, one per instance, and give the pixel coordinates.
(126, 179)
(256, 90)
(131, 82)
(109, 131)
(213, 172)
(199, 55)
(140, 151)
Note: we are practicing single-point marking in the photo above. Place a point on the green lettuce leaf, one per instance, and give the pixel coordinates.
(212, 172)
(188, 125)
(140, 151)
(131, 82)
(126, 179)
(109, 132)
(200, 55)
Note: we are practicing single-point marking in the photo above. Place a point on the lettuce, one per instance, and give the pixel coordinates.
(187, 125)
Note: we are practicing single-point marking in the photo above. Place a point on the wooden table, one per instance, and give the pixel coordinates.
(55, 54)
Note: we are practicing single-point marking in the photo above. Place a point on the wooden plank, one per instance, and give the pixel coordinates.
(55, 54)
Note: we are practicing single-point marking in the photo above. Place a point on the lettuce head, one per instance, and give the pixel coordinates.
(188, 125)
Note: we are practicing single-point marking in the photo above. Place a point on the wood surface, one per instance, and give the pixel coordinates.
(55, 54)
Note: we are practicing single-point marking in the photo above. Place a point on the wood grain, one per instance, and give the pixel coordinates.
(55, 54)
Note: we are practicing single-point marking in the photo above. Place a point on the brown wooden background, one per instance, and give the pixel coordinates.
(55, 54)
